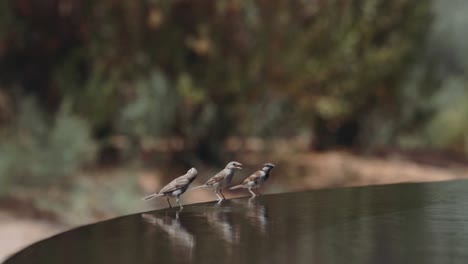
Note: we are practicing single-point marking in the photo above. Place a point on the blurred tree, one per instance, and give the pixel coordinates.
(214, 67)
(433, 100)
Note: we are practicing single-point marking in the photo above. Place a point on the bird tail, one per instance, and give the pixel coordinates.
(198, 187)
(149, 197)
(237, 187)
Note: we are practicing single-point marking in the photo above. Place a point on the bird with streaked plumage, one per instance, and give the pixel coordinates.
(221, 179)
(254, 181)
(176, 187)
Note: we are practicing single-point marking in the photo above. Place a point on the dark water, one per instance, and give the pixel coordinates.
(406, 223)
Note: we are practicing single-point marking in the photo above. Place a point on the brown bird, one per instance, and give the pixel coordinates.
(221, 180)
(254, 181)
(176, 187)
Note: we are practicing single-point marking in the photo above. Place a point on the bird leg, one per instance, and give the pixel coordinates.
(221, 192)
(170, 206)
(217, 195)
(253, 193)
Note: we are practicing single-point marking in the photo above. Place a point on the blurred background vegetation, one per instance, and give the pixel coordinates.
(159, 85)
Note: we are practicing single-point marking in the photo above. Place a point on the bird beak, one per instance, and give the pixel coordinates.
(239, 166)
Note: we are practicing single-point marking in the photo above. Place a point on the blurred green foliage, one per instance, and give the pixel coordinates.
(153, 100)
(363, 73)
(433, 97)
(36, 151)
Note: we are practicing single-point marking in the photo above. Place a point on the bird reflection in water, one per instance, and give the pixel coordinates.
(179, 237)
(220, 220)
(255, 212)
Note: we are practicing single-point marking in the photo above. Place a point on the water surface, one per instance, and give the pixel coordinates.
(402, 223)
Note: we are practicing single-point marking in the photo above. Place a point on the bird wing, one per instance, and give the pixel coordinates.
(255, 177)
(176, 184)
(217, 178)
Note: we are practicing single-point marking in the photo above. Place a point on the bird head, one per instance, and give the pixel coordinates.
(234, 165)
(192, 173)
(268, 166)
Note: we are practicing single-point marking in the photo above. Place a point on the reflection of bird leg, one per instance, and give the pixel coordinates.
(177, 200)
(257, 214)
(253, 193)
(221, 222)
(177, 213)
(170, 206)
(180, 238)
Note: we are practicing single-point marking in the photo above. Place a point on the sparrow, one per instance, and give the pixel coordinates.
(254, 181)
(221, 180)
(176, 187)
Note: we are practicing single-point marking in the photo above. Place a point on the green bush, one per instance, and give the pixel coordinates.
(152, 110)
(39, 151)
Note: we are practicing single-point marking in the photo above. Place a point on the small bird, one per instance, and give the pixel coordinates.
(176, 187)
(254, 181)
(221, 180)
